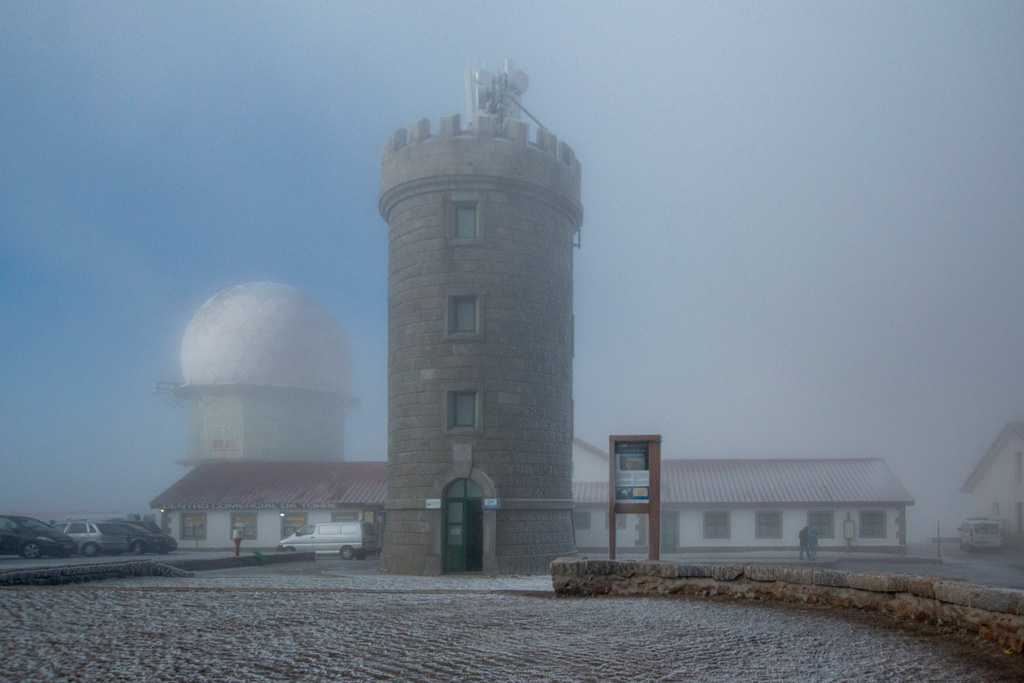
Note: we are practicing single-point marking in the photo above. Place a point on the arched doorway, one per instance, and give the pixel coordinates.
(463, 527)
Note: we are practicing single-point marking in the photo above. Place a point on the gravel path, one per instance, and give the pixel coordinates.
(224, 626)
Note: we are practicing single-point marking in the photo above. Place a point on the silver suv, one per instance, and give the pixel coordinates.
(93, 538)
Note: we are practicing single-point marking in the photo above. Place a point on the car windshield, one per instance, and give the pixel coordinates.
(986, 528)
(34, 523)
(113, 529)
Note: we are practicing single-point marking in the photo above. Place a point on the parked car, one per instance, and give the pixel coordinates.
(981, 534)
(151, 527)
(141, 540)
(94, 538)
(30, 538)
(351, 539)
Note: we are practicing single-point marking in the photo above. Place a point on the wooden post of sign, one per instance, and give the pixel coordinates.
(634, 486)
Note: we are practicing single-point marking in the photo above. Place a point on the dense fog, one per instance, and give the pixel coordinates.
(802, 235)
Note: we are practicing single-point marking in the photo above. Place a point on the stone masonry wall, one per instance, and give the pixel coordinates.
(518, 357)
(995, 614)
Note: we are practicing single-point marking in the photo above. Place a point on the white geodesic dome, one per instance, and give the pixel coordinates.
(265, 334)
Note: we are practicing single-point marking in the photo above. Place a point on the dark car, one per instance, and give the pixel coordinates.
(151, 527)
(141, 540)
(30, 538)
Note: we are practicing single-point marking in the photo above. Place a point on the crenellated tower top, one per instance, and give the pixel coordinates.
(482, 154)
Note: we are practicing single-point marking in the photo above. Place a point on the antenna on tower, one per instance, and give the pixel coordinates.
(498, 95)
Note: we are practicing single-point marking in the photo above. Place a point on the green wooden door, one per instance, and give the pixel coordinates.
(463, 527)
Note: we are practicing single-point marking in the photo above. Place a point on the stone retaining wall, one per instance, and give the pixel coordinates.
(80, 573)
(995, 614)
(54, 576)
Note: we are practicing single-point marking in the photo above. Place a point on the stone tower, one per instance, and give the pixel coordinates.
(481, 226)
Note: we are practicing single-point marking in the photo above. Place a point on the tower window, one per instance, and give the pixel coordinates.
(461, 409)
(462, 314)
(464, 221)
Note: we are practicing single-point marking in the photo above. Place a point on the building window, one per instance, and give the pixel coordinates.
(823, 522)
(246, 521)
(461, 409)
(581, 520)
(462, 314)
(464, 221)
(716, 525)
(345, 516)
(620, 521)
(223, 438)
(768, 525)
(872, 524)
(193, 526)
(292, 522)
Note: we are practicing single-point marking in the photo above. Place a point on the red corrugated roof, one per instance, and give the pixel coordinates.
(278, 484)
(789, 481)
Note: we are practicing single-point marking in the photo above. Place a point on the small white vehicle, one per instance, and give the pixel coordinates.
(981, 534)
(350, 539)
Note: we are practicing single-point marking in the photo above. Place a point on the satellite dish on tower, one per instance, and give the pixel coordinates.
(497, 95)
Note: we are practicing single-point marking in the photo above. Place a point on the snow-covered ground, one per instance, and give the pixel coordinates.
(337, 622)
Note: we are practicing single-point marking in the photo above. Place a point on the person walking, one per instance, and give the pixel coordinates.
(812, 544)
(803, 542)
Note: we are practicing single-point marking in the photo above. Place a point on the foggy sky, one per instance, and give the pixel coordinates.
(802, 235)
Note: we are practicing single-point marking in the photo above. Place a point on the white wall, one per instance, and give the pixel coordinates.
(587, 465)
(999, 485)
(218, 528)
(742, 529)
(597, 535)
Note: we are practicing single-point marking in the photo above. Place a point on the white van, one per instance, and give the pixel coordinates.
(976, 534)
(350, 539)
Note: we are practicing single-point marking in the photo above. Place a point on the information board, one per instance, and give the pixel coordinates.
(634, 486)
(632, 472)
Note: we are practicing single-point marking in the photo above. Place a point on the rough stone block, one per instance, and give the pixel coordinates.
(762, 572)
(922, 586)
(726, 572)
(879, 582)
(599, 567)
(990, 598)
(658, 568)
(567, 566)
(626, 569)
(797, 575)
(694, 571)
(833, 578)
(953, 592)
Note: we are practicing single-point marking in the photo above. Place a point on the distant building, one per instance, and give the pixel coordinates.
(996, 484)
(723, 505)
(265, 371)
(268, 500)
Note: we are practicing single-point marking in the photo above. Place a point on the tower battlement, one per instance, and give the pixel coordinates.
(484, 126)
(481, 152)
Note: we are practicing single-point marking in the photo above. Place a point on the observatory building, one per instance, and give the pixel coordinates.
(482, 222)
(265, 370)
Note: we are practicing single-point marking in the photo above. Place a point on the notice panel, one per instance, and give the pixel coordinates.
(632, 472)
